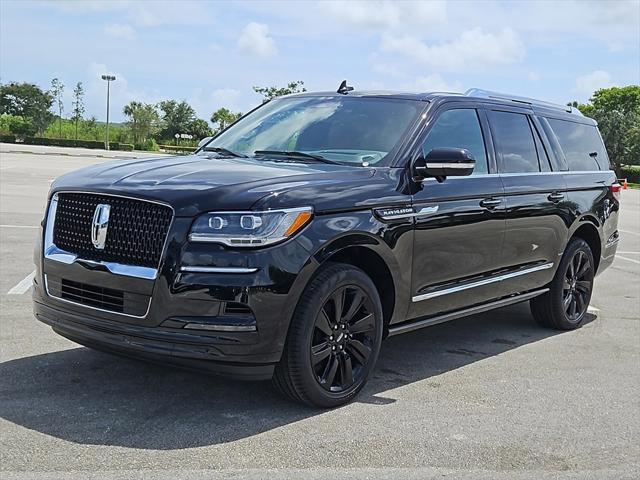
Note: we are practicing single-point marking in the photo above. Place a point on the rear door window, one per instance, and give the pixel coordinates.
(514, 141)
(581, 145)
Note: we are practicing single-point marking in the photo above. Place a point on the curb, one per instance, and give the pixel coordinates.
(65, 154)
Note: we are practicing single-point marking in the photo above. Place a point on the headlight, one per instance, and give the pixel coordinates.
(249, 229)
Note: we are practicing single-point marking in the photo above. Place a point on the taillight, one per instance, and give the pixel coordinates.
(615, 190)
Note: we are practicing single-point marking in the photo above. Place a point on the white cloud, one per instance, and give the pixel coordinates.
(225, 97)
(255, 40)
(434, 83)
(119, 30)
(385, 14)
(589, 83)
(403, 80)
(615, 47)
(471, 48)
(144, 13)
(534, 76)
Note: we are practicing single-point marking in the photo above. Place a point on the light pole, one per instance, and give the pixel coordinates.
(109, 79)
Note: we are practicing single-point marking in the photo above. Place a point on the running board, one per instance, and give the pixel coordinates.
(427, 322)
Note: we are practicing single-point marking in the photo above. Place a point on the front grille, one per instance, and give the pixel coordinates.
(135, 236)
(93, 296)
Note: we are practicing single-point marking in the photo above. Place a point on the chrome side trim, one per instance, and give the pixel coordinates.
(397, 217)
(221, 328)
(423, 211)
(479, 283)
(450, 165)
(493, 174)
(427, 211)
(218, 270)
(46, 288)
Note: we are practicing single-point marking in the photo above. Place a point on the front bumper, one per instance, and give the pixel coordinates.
(179, 298)
(186, 349)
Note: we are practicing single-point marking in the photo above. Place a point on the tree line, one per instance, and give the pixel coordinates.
(28, 110)
(617, 111)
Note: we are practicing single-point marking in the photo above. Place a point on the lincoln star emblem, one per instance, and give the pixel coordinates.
(100, 225)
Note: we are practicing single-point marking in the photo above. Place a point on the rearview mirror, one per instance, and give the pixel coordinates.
(444, 162)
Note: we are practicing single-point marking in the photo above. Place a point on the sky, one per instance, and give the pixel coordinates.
(211, 53)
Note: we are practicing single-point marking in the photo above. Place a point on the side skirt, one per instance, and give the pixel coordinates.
(427, 322)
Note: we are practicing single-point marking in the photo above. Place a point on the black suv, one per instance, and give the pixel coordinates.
(292, 243)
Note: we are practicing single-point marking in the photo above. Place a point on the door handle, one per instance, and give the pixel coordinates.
(490, 203)
(556, 196)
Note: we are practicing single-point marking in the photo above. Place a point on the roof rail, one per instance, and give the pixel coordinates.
(478, 92)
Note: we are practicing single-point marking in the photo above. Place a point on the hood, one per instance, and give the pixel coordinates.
(197, 183)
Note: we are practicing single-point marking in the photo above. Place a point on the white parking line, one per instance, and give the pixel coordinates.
(628, 259)
(19, 226)
(23, 285)
(628, 253)
(627, 231)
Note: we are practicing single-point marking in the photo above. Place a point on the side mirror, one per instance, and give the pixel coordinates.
(444, 162)
(203, 141)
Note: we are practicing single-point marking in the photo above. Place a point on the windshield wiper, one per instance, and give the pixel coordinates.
(294, 153)
(224, 151)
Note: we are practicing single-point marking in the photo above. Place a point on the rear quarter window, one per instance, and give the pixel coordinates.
(581, 145)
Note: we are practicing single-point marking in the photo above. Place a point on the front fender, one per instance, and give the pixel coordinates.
(329, 235)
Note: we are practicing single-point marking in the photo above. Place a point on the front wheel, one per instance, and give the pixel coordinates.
(334, 338)
(565, 305)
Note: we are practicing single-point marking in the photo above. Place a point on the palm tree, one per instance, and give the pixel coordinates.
(131, 111)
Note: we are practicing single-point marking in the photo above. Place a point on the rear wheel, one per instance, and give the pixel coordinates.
(334, 338)
(564, 306)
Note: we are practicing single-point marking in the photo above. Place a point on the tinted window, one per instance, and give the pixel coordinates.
(345, 129)
(581, 145)
(516, 148)
(459, 129)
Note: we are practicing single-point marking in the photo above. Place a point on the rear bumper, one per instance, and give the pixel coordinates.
(153, 344)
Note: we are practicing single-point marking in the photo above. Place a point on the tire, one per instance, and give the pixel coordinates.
(564, 306)
(327, 358)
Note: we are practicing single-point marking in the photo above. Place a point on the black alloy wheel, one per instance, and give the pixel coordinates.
(565, 305)
(343, 339)
(334, 338)
(576, 289)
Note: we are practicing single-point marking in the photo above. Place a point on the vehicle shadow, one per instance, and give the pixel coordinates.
(89, 397)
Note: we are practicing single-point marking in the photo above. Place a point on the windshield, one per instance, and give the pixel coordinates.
(348, 130)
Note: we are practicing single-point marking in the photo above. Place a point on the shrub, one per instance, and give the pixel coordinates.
(149, 145)
(7, 138)
(177, 149)
(631, 173)
(17, 125)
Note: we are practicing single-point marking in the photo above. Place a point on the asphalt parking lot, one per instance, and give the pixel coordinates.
(489, 396)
